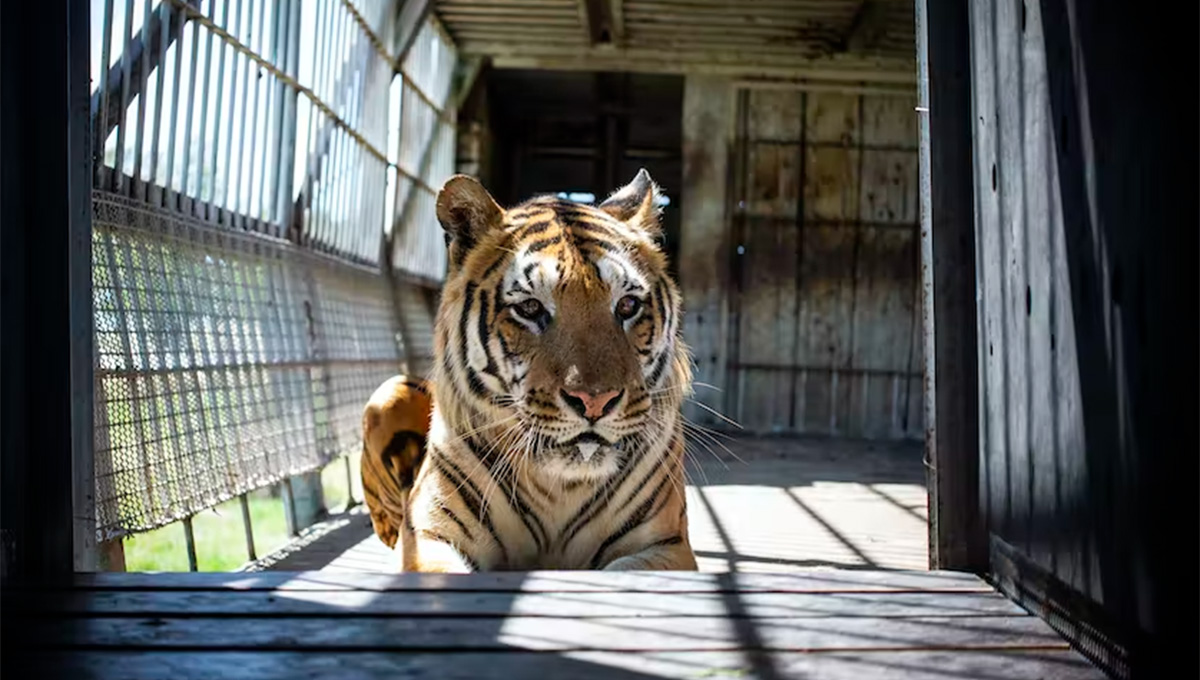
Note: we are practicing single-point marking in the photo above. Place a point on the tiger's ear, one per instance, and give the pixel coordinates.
(466, 211)
(636, 204)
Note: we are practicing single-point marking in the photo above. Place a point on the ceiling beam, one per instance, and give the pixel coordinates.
(843, 68)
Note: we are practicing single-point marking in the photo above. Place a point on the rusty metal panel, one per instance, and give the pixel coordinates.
(824, 336)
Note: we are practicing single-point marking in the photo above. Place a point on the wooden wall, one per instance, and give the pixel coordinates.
(824, 332)
(1085, 134)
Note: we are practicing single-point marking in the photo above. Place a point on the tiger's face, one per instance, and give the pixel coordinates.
(560, 323)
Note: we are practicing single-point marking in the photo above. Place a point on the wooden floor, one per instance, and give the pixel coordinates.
(775, 504)
(827, 624)
(839, 526)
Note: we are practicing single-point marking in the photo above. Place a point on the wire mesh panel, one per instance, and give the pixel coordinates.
(244, 170)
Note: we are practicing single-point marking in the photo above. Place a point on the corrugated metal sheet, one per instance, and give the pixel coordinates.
(754, 38)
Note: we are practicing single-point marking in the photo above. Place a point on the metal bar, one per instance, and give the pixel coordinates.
(285, 168)
(119, 162)
(220, 114)
(189, 535)
(143, 92)
(101, 136)
(247, 527)
(191, 108)
(290, 503)
(244, 185)
(350, 500)
(173, 119)
(204, 106)
(227, 158)
(165, 11)
(323, 30)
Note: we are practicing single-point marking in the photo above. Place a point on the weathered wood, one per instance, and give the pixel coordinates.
(848, 665)
(819, 581)
(340, 603)
(708, 115)
(547, 633)
(949, 229)
(46, 406)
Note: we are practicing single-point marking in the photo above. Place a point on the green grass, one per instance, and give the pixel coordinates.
(220, 541)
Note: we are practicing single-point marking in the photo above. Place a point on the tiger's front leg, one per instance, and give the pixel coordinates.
(434, 556)
(673, 554)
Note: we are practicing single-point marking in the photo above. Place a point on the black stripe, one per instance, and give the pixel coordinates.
(504, 255)
(661, 321)
(474, 502)
(515, 501)
(454, 518)
(603, 245)
(543, 244)
(491, 368)
(473, 382)
(636, 518)
(534, 228)
(593, 508)
(395, 449)
(660, 365)
(420, 386)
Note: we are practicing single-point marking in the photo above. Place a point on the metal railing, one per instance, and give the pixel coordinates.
(253, 160)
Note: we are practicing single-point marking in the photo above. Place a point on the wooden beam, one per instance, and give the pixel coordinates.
(783, 65)
(709, 112)
(46, 380)
(957, 538)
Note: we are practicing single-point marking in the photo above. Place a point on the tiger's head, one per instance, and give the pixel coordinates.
(559, 328)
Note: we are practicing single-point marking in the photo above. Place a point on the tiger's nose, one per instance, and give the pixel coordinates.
(592, 406)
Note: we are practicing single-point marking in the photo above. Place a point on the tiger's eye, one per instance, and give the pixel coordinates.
(628, 307)
(530, 309)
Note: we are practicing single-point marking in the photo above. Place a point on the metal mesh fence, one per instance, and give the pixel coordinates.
(249, 157)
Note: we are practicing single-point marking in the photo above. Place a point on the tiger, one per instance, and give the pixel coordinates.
(552, 428)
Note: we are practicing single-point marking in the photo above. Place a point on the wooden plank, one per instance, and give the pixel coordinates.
(615, 604)
(849, 665)
(989, 243)
(1036, 147)
(708, 117)
(952, 326)
(815, 580)
(548, 633)
(1013, 256)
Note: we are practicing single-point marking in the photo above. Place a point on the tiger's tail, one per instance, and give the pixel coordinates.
(395, 425)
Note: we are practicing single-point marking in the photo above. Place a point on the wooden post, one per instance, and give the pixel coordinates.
(957, 538)
(46, 473)
(708, 116)
(111, 555)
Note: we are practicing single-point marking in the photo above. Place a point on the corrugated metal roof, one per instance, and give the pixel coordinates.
(828, 39)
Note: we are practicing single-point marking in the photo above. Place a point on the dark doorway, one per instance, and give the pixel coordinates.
(584, 135)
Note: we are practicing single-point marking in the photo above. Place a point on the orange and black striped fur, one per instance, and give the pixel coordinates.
(555, 439)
